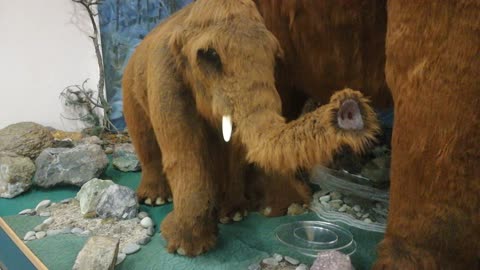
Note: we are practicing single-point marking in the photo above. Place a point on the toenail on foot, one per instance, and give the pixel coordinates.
(237, 216)
(181, 251)
(267, 211)
(170, 199)
(224, 220)
(148, 201)
(160, 201)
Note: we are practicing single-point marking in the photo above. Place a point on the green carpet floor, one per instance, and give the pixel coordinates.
(239, 244)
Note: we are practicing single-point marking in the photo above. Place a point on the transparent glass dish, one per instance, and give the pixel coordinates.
(311, 237)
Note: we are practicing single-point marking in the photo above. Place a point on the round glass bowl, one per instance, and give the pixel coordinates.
(311, 237)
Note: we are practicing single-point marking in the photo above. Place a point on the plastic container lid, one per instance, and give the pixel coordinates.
(311, 237)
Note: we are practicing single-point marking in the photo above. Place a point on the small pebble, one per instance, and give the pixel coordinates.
(277, 257)
(130, 248)
(142, 215)
(146, 222)
(325, 198)
(54, 232)
(367, 220)
(291, 260)
(77, 230)
(254, 266)
(85, 233)
(150, 231)
(109, 150)
(42, 205)
(125, 215)
(335, 195)
(45, 214)
(65, 201)
(357, 208)
(325, 204)
(302, 267)
(366, 215)
(29, 235)
(144, 240)
(270, 261)
(40, 227)
(120, 258)
(40, 235)
(48, 221)
(343, 208)
(29, 212)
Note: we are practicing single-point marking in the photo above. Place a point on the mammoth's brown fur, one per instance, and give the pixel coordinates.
(432, 52)
(216, 58)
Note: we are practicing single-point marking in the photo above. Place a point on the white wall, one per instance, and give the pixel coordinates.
(44, 47)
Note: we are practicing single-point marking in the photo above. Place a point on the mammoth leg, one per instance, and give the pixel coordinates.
(432, 68)
(233, 204)
(190, 157)
(272, 193)
(153, 189)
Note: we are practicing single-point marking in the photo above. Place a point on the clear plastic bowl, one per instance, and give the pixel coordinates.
(311, 237)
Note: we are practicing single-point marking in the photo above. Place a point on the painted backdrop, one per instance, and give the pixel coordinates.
(123, 24)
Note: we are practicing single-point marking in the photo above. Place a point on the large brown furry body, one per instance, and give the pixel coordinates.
(212, 59)
(432, 68)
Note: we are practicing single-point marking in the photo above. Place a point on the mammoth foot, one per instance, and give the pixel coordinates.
(186, 238)
(154, 194)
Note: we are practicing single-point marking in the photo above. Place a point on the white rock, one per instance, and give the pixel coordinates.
(277, 257)
(367, 220)
(40, 235)
(90, 193)
(28, 212)
(302, 267)
(254, 266)
(42, 205)
(343, 208)
(65, 201)
(357, 208)
(270, 261)
(77, 230)
(48, 221)
(120, 258)
(142, 215)
(150, 231)
(85, 233)
(291, 260)
(146, 222)
(40, 227)
(45, 214)
(29, 235)
(144, 241)
(325, 198)
(131, 248)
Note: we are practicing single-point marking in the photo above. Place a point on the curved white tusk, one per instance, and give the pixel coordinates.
(227, 127)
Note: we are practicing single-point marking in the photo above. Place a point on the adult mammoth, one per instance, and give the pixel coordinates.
(210, 67)
(428, 54)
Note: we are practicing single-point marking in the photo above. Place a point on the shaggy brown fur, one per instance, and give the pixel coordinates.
(433, 67)
(211, 59)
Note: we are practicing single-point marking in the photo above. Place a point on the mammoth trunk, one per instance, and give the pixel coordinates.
(312, 139)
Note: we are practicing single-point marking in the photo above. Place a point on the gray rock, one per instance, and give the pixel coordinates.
(116, 201)
(325, 198)
(90, 193)
(15, 174)
(270, 261)
(125, 159)
(29, 235)
(99, 253)
(131, 248)
(25, 139)
(291, 260)
(303, 267)
(327, 260)
(120, 258)
(41, 206)
(254, 266)
(91, 140)
(45, 214)
(85, 233)
(48, 221)
(108, 150)
(69, 166)
(277, 257)
(28, 212)
(144, 240)
(142, 215)
(40, 234)
(146, 222)
(77, 230)
(40, 227)
(151, 231)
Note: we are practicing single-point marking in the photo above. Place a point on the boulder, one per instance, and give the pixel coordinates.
(99, 253)
(69, 166)
(118, 202)
(25, 139)
(90, 194)
(125, 159)
(15, 174)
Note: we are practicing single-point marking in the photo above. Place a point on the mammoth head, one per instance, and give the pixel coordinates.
(227, 57)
